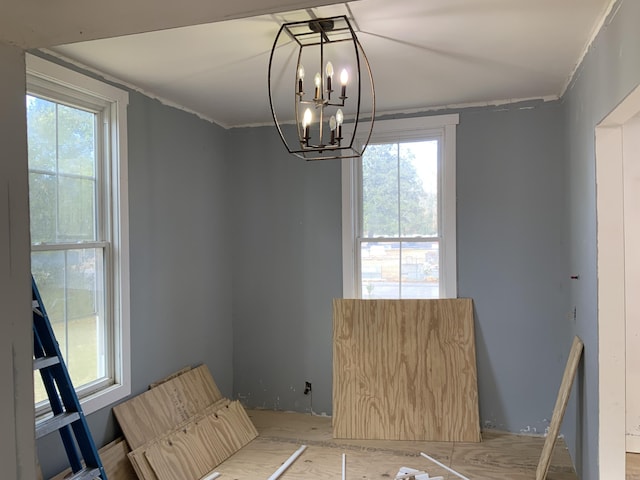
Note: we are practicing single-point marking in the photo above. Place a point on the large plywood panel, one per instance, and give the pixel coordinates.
(166, 406)
(405, 370)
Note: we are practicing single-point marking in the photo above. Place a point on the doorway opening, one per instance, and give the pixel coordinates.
(618, 227)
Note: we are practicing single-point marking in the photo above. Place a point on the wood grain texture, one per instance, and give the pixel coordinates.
(561, 405)
(114, 459)
(170, 377)
(166, 406)
(500, 456)
(198, 447)
(138, 458)
(405, 370)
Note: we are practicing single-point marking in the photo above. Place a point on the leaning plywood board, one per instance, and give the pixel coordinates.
(561, 406)
(405, 370)
(197, 448)
(115, 462)
(169, 404)
(138, 458)
(170, 377)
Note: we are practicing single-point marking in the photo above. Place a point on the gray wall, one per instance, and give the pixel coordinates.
(511, 261)
(608, 73)
(512, 258)
(287, 268)
(180, 266)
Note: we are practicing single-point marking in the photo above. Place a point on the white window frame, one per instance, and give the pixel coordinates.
(59, 83)
(398, 130)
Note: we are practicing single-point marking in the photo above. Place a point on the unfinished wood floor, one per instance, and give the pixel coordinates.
(498, 457)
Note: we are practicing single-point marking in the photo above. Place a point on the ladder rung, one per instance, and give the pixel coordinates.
(44, 362)
(55, 423)
(86, 473)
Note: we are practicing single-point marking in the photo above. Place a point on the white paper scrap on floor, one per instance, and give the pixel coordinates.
(413, 474)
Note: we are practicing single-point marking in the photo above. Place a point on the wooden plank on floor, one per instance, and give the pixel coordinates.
(561, 405)
(405, 370)
(169, 404)
(198, 447)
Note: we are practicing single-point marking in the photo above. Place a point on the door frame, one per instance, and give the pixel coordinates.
(609, 146)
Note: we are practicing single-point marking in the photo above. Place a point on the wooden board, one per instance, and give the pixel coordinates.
(197, 448)
(166, 406)
(405, 370)
(561, 405)
(170, 377)
(138, 458)
(114, 460)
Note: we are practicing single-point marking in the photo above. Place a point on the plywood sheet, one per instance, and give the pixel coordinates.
(561, 406)
(170, 377)
(165, 406)
(405, 370)
(114, 460)
(138, 458)
(198, 447)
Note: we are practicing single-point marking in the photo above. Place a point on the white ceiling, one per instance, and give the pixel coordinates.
(424, 54)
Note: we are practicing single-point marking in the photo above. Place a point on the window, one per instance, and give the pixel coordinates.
(399, 221)
(76, 130)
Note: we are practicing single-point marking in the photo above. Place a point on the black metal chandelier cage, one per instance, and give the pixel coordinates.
(333, 115)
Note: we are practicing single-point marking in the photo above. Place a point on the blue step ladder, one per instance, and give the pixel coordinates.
(67, 418)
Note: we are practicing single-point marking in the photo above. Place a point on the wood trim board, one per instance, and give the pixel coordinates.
(405, 370)
(561, 405)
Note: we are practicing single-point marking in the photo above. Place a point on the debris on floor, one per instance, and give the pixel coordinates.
(407, 473)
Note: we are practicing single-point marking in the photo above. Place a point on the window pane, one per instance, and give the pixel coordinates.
(76, 141)
(42, 203)
(380, 191)
(418, 173)
(41, 124)
(69, 283)
(400, 269)
(76, 209)
(380, 267)
(420, 270)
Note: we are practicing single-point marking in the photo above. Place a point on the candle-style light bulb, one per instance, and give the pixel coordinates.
(300, 78)
(339, 120)
(306, 121)
(332, 127)
(344, 79)
(329, 72)
(318, 81)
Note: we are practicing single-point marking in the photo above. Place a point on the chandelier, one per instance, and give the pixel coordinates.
(329, 108)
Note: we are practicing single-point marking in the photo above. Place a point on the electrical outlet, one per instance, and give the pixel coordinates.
(307, 388)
